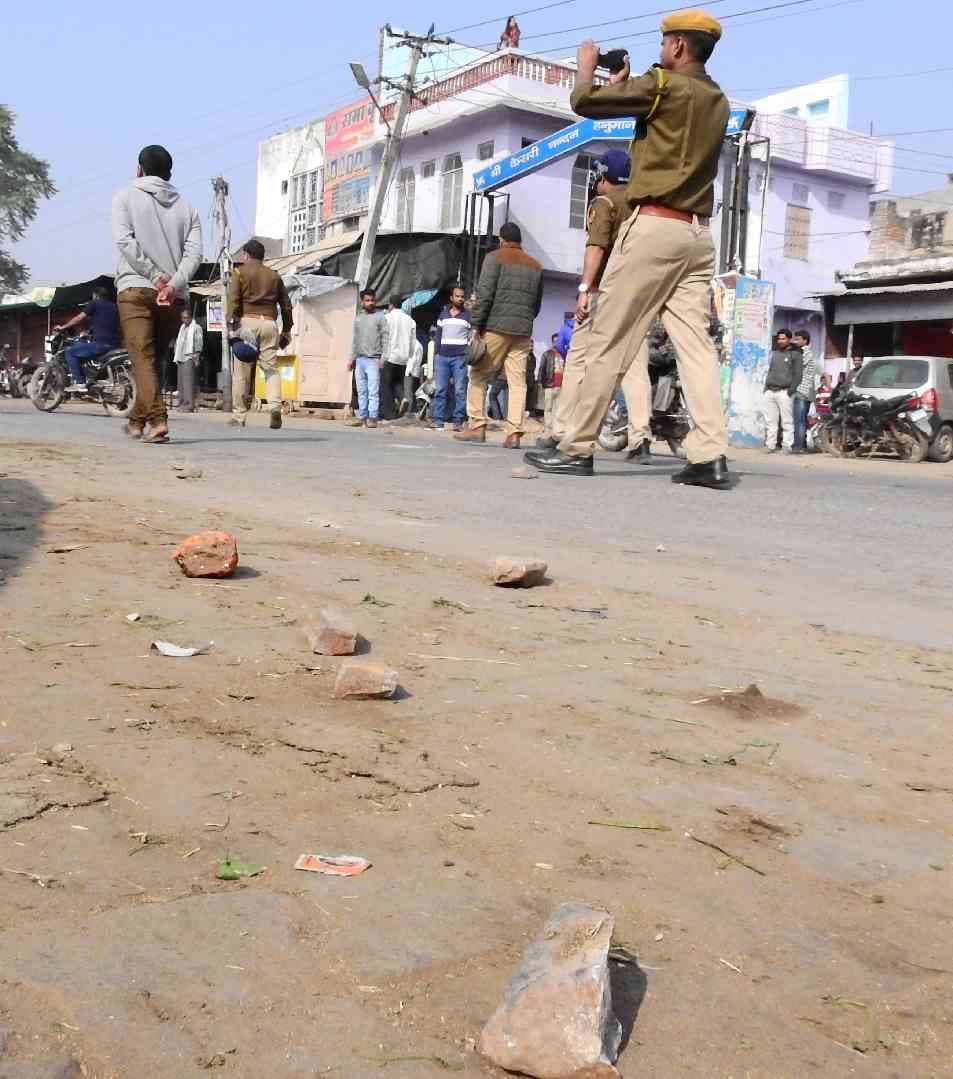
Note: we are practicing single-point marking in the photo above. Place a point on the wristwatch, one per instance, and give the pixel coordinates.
(584, 288)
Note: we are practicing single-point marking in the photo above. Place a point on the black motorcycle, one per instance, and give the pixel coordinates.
(108, 379)
(860, 425)
(669, 418)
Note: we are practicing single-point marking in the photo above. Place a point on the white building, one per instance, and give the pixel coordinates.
(808, 202)
(290, 185)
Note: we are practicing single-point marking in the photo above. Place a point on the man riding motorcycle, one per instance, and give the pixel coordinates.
(103, 318)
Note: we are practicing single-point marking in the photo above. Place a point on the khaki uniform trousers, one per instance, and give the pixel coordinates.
(265, 332)
(511, 353)
(551, 398)
(635, 385)
(658, 268)
(148, 330)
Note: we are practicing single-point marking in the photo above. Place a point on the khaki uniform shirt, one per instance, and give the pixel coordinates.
(255, 289)
(603, 221)
(675, 154)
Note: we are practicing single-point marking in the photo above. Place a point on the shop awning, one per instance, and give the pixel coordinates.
(915, 302)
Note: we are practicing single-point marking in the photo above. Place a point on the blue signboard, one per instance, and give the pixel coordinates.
(544, 152)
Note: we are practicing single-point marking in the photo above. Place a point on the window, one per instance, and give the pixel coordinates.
(334, 169)
(835, 200)
(451, 192)
(790, 112)
(893, 374)
(306, 194)
(350, 163)
(524, 142)
(351, 224)
(797, 232)
(819, 108)
(799, 194)
(579, 191)
(485, 151)
(405, 200)
(428, 169)
(284, 187)
(926, 230)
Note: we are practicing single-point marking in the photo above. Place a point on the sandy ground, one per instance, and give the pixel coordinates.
(816, 941)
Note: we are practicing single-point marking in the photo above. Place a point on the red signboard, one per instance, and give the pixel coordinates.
(346, 132)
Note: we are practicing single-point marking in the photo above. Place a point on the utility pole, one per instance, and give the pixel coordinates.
(417, 44)
(220, 214)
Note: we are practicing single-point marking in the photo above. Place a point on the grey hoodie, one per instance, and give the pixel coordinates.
(157, 232)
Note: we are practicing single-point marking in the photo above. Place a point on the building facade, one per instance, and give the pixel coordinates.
(898, 298)
(289, 188)
(808, 197)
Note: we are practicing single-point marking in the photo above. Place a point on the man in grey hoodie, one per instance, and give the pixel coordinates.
(159, 237)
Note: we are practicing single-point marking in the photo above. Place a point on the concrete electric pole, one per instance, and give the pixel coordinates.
(220, 214)
(417, 45)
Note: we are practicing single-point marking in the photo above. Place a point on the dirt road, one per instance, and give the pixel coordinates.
(816, 941)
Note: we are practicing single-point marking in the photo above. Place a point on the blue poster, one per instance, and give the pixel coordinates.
(752, 314)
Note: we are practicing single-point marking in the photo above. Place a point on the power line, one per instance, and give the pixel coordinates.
(514, 14)
(855, 78)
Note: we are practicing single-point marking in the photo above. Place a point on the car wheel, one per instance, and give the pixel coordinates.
(941, 449)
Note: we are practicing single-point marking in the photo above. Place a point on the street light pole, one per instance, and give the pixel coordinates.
(417, 45)
(220, 192)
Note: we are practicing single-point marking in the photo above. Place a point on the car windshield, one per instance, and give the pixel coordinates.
(893, 374)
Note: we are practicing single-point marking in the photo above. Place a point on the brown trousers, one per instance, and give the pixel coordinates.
(511, 353)
(149, 330)
(658, 267)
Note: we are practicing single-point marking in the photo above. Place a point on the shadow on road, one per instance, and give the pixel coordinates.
(22, 508)
(628, 991)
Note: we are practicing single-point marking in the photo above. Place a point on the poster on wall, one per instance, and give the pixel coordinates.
(215, 322)
(750, 354)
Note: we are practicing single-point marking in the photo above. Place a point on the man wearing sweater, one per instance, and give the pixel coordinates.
(804, 394)
(780, 386)
(368, 348)
(450, 346)
(159, 240)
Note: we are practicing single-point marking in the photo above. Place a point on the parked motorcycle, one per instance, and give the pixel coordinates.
(669, 417)
(860, 425)
(108, 378)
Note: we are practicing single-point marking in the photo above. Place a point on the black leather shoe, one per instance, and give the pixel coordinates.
(712, 474)
(545, 442)
(641, 455)
(559, 463)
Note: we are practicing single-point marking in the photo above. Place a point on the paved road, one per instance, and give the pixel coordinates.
(858, 546)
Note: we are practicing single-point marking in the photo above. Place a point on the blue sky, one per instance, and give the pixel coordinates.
(91, 83)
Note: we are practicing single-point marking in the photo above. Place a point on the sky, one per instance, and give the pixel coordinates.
(92, 83)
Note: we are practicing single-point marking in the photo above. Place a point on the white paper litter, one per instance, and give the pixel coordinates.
(178, 652)
(133, 617)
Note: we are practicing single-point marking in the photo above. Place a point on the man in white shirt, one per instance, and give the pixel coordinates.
(188, 355)
(401, 341)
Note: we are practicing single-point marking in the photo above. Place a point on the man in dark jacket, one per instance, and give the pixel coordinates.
(509, 296)
(783, 379)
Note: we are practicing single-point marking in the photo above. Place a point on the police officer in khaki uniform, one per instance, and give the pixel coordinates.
(663, 259)
(255, 295)
(608, 209)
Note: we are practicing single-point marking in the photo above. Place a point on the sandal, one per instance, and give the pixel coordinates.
(133, 430)
(157, 437)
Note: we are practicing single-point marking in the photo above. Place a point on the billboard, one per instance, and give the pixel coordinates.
(348, 133)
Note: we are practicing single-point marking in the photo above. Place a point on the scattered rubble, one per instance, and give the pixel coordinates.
(207, 554)
(365, 681)
(519, 572)
(332, 633)
(556, 1019)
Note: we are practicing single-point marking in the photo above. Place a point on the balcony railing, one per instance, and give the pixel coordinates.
(508, 63)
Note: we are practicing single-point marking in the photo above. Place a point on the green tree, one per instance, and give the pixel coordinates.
(24, 180)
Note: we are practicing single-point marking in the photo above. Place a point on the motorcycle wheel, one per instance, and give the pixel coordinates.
(613, 441)
(827, 443)
(914, 448)
(47, 387)
(125, 394)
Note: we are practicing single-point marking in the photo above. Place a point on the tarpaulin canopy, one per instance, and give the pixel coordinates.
(404, 263)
